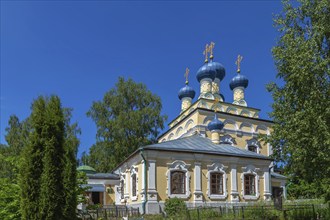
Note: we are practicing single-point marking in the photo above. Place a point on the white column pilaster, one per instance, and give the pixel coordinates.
(267, 193)
(152, 192)
(198, 194)
(233, 177)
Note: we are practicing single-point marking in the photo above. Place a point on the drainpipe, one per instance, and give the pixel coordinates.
(145, 182)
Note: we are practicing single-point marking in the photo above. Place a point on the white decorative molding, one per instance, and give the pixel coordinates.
(122, 187)
(227, 139)
(217, 168)
(233, 178)
(231, 122)
(250, 169)
(253, 142)
(178, 165)
(244, 111)
(152, 192)
(248, 125)
(170, 137)
(134, 170)
(178, 131)
(230, 108)
(198, 194)
(189, 122)
(267, 192)
(264, 128)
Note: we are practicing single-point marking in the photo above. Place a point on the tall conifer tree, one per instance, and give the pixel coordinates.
(31, 165)
(52, 199)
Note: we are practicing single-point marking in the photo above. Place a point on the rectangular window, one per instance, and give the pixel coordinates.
(216, 183)
(178, 182)
(122, 189)
(249, 185)
(134, 184)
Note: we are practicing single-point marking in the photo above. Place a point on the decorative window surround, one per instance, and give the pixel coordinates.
(178, 165)
(250, 169)
(134, 171)
(123, 177)
(227, 139)
(217, 168)
(253, 142)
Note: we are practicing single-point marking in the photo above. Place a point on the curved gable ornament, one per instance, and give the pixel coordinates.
(178, 165)
(217, 168)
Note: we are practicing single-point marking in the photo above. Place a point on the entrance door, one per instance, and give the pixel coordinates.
(277, 197)
(96, 197)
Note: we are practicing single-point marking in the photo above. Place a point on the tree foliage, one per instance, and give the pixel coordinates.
(48, 168)
(301, 109)
(128, 117)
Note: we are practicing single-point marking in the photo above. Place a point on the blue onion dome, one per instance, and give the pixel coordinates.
(238, 81)
(215, 124)
(206, 71)
(186, 91)
(220, 71)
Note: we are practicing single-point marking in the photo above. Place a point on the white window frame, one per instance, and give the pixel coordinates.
(217, 168)
(123, 179)
(250, 170)
(178, 165)
(253, 142)
(134, 170)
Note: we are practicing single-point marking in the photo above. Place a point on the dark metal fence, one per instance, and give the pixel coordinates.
(262, 212)
(109, 212)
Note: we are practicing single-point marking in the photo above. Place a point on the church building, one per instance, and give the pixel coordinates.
(211, 155)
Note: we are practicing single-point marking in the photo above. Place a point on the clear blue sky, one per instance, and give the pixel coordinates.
(78, 49)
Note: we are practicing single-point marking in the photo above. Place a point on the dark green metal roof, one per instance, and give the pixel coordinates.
(86, 169)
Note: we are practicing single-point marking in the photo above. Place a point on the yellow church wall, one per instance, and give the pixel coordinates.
(162, 182)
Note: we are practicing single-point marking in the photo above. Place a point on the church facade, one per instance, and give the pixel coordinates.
(211, 154)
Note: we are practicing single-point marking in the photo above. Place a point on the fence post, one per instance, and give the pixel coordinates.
(220, 211)
(198, 213)
(242, 212)
(314, 216)
(116, 211)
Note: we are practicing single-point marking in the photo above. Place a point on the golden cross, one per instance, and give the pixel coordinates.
(186, 75)
(238, 63)
(206, 52)
(211, 47)
(216, 101)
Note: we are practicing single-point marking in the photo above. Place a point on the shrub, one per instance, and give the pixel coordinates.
(175, 207)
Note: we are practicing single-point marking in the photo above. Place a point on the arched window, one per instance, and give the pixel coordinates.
(216, 183)
(227, 139)
(253, 145)
(249, 185)
(178, 182)
(253, 148)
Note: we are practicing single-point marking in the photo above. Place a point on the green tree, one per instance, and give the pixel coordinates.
(301, 108)
(31, 166)
(48, 169)
(52, 194)
(70, 171)
(128, 117)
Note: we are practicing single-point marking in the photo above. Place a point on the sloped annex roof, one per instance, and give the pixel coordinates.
(199, 144)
